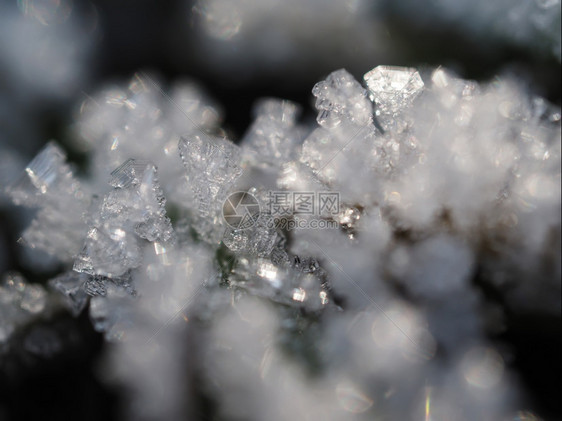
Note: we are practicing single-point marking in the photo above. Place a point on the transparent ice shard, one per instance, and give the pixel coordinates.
(393, 90)
(257, 240)
(340, 99)
(211, 159)
(318, 148)
(331, 155)
(49, 185)
(212, 166)
(143, 121)
(451, 90)
(108, 251)
(236, 240)
(273, 135)
(294, 281)
(258, 276)
(129, 173)
(263, 267)
(154, 225)
(46, 177)
(20, 302)
(99, 284)
(96, 285)
(347, 139)
(133, 210)
(72, 287)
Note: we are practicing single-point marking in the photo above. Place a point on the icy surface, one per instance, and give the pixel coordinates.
(373, 306)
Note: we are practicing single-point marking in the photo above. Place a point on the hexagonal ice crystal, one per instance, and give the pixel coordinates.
(392, 89)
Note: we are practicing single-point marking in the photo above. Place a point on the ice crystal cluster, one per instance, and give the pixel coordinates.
(444, 185)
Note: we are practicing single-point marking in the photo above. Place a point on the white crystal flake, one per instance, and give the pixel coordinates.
(49, 185)
(274, 135)
(393, 90)
(132, 211)
(46, 176)
(340, 99)
(71, 286)
(212, 166)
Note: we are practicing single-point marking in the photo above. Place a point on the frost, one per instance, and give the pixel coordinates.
(442, 184)
(71, 286)
(339, 99)
(393, 90)
(274, 135)
(133, 210)
(49, 185)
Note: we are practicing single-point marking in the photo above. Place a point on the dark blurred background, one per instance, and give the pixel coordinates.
(54, 53)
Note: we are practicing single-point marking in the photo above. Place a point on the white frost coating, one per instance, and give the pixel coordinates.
(441, 183)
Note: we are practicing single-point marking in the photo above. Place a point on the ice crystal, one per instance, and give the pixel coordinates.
(393, 90)
(71, 286)
(273, 136)
(132, 211)
(339, 99)
(212, 165)
(49, 185)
